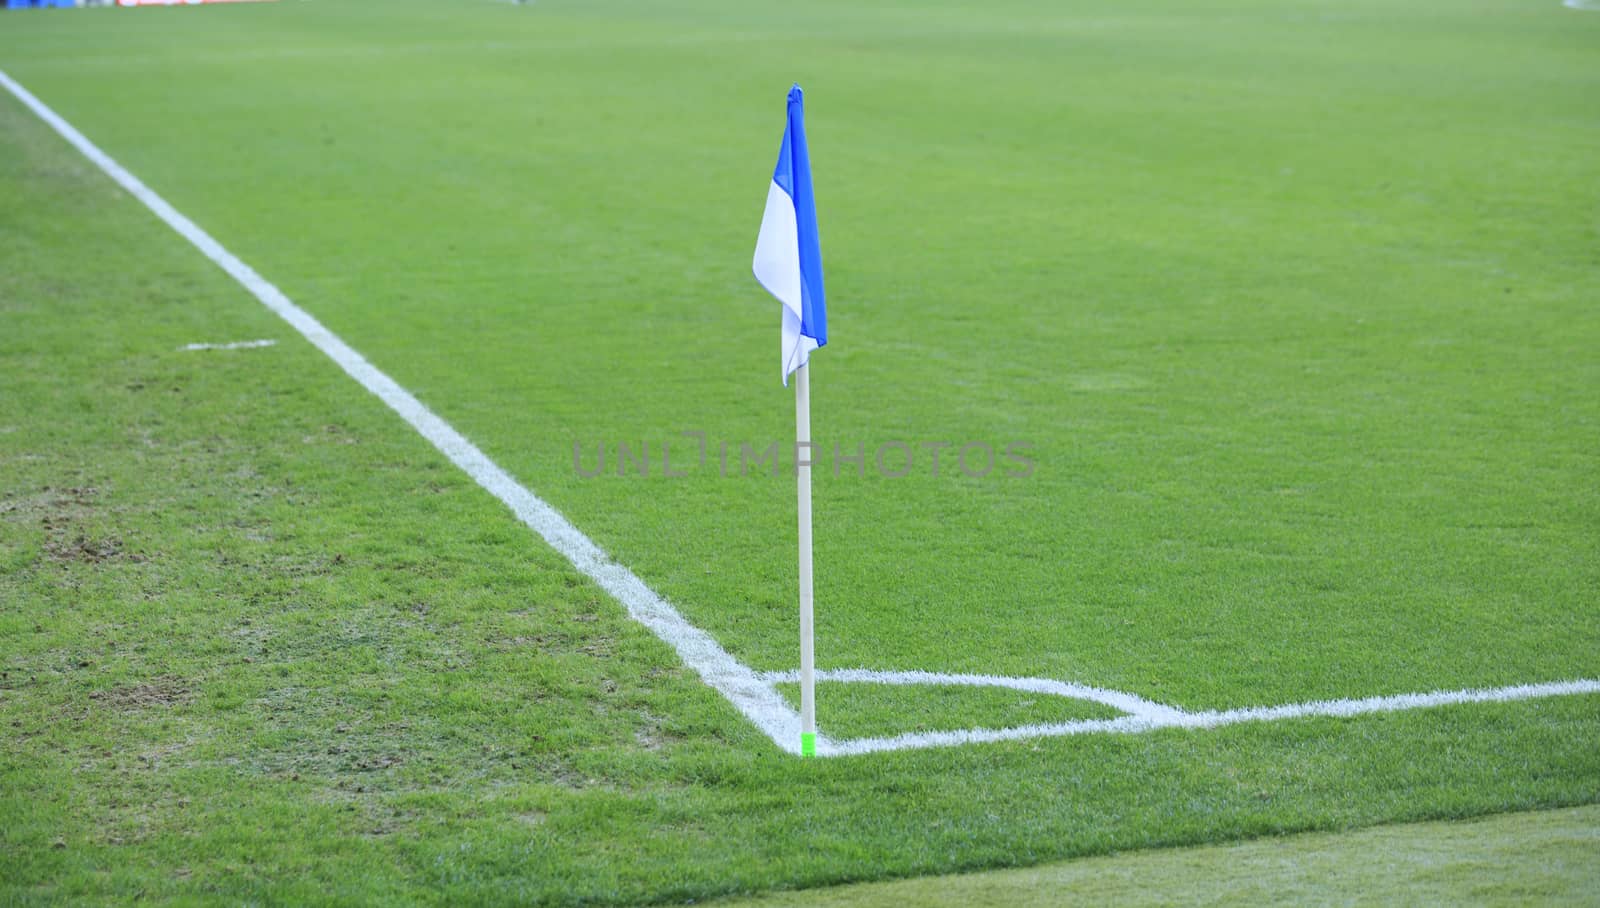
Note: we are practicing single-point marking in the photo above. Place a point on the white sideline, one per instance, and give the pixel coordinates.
(755, 695)
(759, 702)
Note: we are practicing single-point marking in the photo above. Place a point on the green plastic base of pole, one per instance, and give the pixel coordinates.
(808, 744)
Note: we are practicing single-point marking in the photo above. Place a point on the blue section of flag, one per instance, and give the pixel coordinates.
(793, 175)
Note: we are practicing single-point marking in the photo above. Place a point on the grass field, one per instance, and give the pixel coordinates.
(1292, 304)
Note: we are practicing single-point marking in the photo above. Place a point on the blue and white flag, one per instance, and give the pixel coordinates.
(788, 254)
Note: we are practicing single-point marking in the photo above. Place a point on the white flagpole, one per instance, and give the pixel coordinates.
(802, 457)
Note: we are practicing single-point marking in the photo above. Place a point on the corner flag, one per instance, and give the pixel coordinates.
(788, 259)
(789, 264)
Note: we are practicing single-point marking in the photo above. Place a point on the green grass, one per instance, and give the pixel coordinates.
(1543, 858)
(1293, 304)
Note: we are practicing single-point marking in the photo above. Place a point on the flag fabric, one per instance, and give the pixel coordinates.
(788, 260)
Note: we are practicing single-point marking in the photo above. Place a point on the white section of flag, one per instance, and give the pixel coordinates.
(777, 267)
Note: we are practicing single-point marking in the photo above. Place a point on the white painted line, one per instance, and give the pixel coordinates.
(759, 702)
(1116, 699)
(756, 696)
(1135, 724)
(1395, 703)
(235, 345)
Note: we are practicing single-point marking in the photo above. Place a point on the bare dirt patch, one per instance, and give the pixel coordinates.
(62, 512)
(90, 551)
(66, 501)
(156, 692)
